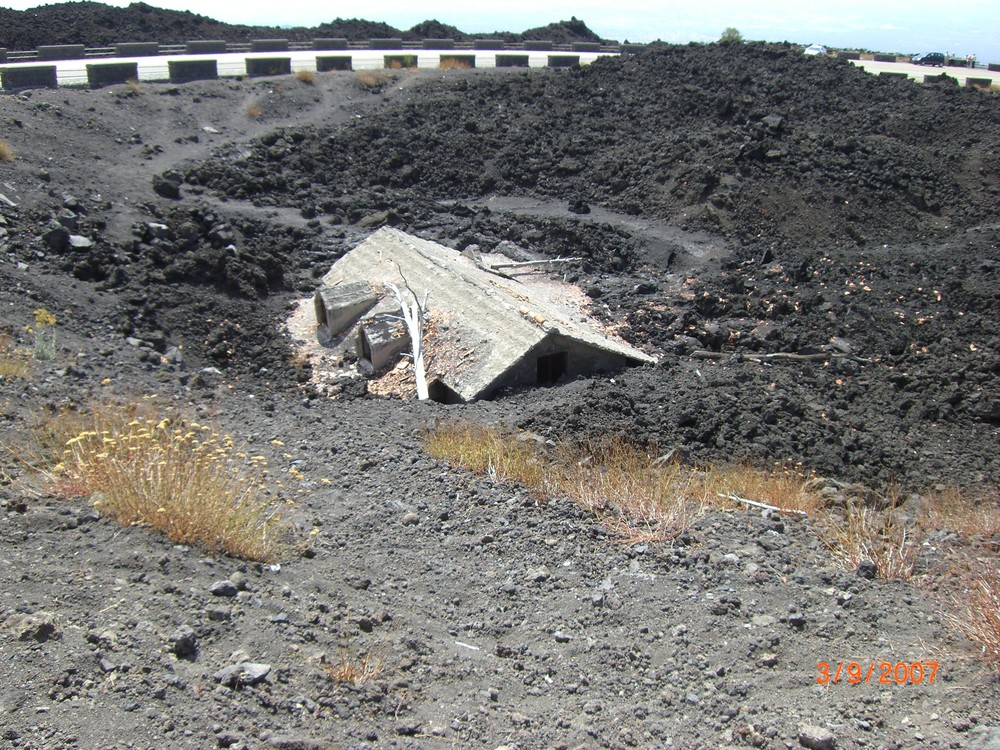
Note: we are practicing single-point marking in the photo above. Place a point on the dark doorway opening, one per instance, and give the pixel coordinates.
(551, 367)
(438, 391)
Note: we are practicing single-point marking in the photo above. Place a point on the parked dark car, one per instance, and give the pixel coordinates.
(929, 58)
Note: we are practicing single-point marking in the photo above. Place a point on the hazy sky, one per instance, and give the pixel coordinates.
(904, 26)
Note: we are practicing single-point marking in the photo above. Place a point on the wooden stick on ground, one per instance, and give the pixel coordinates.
(756, 504)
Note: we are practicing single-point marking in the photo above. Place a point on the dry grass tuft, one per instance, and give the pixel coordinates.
(636, 493)
(175, 475)
(640, 497)
(355, 670)
(968, 530)
(975, 605)
(373, 81)
(306, 76)
(882, 537)
(636, 497)
(488, 450)
(6, 152)
(254, 112)
(132, 84)
(13, 363)
(787, 488)
(976, 520)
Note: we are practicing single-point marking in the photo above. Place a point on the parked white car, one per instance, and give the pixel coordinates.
(815, 49)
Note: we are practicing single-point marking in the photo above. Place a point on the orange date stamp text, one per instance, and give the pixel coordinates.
(877, 673)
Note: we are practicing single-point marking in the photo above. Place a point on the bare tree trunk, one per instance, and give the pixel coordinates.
(413, 317)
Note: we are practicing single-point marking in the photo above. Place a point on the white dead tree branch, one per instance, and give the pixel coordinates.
(531, 263)
(414, 313)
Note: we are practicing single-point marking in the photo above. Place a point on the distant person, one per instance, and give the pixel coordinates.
(968, 61)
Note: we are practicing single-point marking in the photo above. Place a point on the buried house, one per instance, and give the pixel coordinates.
(484, 329)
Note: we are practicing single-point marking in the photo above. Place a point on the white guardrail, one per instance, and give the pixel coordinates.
(303, 56)
(232, 64)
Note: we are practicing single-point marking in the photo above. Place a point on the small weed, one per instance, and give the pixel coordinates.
(355, 670)
(173, 474)
(254, 112)
(306, 76)
(44, 331)
(132, 84)
(6, 152)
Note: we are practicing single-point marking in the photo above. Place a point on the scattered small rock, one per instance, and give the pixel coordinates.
(184, 642)
(40, 626)
(223, 588)
(298, 743)
(816, 738)
(769, 660)
(867, 569)
(245, 673)
(538, 575)
(56, 237)
(168, 184)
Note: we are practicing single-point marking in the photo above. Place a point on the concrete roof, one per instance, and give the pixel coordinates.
(480, 324)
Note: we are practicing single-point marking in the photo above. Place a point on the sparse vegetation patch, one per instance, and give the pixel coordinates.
(868, 536)
(13, 362)
(975, 605)
(635, 492)
(355, 670)
(173, 474)
(373, 81)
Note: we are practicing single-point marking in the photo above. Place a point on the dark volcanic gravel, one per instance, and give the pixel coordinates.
(740, 209)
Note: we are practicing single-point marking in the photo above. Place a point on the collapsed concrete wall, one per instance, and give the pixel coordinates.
(337, 307)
